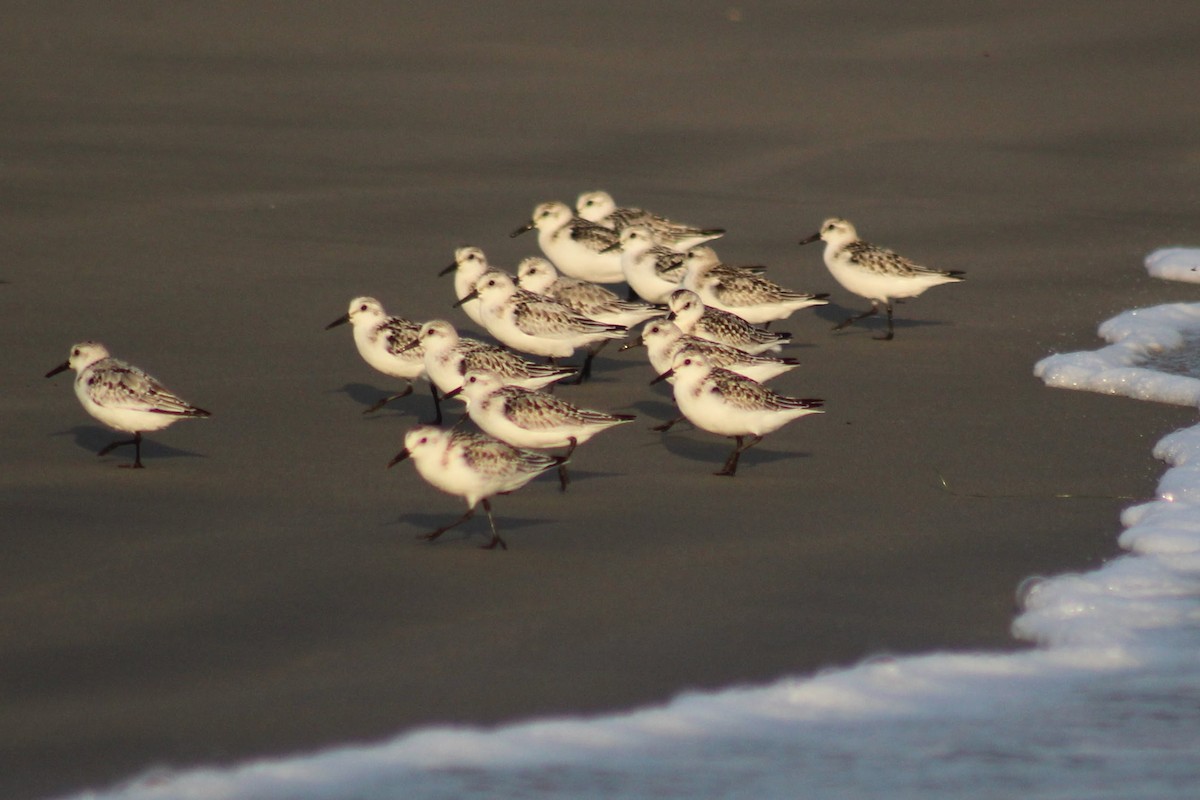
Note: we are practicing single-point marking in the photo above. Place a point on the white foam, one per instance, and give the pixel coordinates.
(1107, 705)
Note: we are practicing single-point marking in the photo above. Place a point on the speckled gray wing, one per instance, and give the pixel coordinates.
(589, 299)
(882, 261)
(594, 236)
(549, 318)
(719, 354)
(742, 392)
(732, 329)
(534, 410)
(744, 289)
(494, 457)
(399, 333)
(115, 384)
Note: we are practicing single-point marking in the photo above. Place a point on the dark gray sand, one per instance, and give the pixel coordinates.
(204, 186)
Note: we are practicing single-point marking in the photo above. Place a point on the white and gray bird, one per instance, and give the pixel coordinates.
(473, 466)
(663, 340)
(600, 207)
(727, 404)
(532, 323)
(590, 300)
(578, 247)
(530, 418)
(751, 296)
(692, 316)
(122, 396)
(449, 356)
(384, 342)
(873, 272)
(468, 266)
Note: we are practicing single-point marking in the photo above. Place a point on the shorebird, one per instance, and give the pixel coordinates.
(727, 404)
(529, 418)
(692, 316)
(587, 299)
(578, 247)
(876, 273)
(663, 340)
(600, 207)
(383, 342)
(535, 324)
(473, 466)
(652, 270)
(752, 297)
(469, 265)
(122, 396)
(449, 356)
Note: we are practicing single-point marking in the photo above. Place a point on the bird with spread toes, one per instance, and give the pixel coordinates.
(578, 247)
(728, 404)
(873, 272)
(532, 323)
(600, 207)
(383, 342)
(468, 267)
(473, 466)
(692, 316)
(752, 297)
(123, 397)
(529, 418)
(663, 340)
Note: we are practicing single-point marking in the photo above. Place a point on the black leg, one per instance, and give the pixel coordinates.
(437, 404)
(730, 468)
(887, 337)
(848, 322)
(429, 537)
(496, 540)
(666, 426)
(136, 441)
(407, 391)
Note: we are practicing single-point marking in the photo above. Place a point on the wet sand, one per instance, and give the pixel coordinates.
(203, 188)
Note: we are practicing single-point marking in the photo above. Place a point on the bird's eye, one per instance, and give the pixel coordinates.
(423, 440)
(363, 307)
(75, 352)
(687, 362)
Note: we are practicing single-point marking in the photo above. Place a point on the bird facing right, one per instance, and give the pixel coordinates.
(873, 272)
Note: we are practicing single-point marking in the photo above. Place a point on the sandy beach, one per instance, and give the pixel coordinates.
(204, 187)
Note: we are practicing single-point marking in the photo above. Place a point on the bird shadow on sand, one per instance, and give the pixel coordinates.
(707, 448)
(94, 439)
(835, 315)
(414, 525)
(417, 404)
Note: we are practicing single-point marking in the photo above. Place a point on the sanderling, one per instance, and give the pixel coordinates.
(875, 273)
(449, 356)
(663, 340)
(600, 207)
(383, 342)
(728, 404)
(588, 299)
(752, 297)
(529, 418)
(692, 316)
(535, 324)
(122, 396)
(652, 270)
(469, 264)
(579, 248)
(472, 466)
